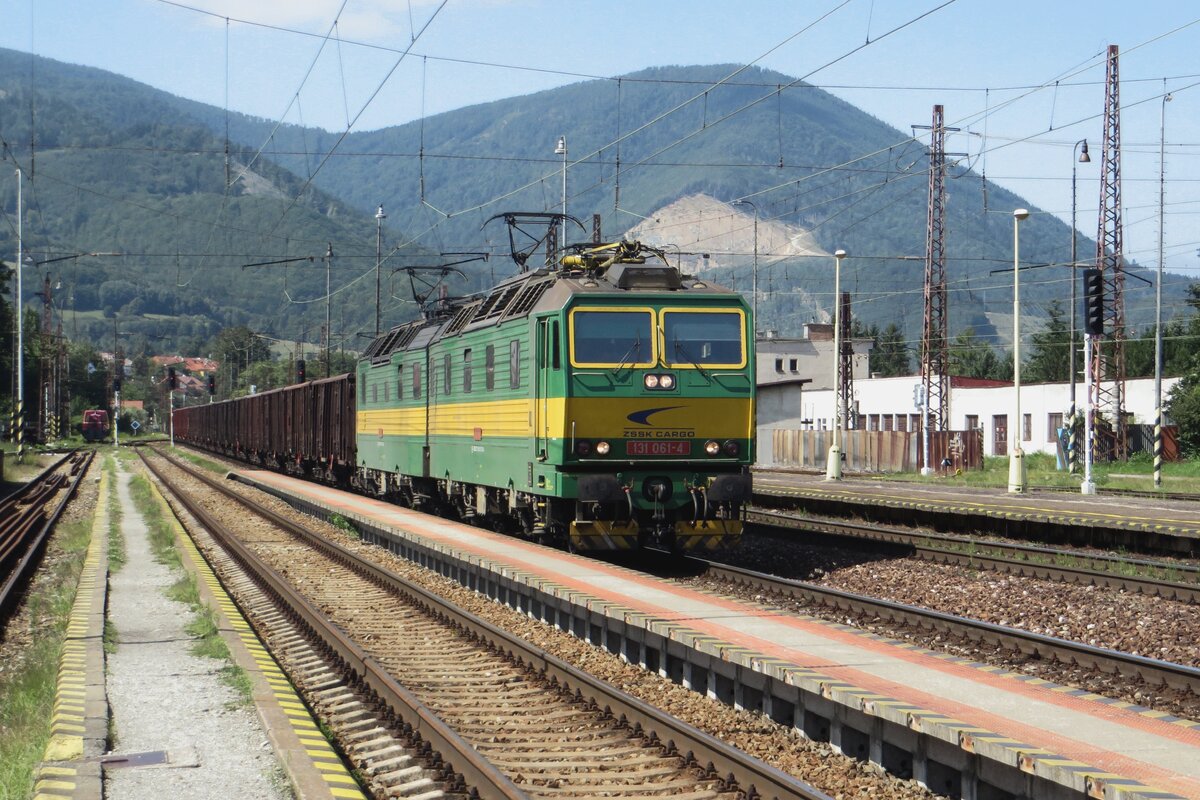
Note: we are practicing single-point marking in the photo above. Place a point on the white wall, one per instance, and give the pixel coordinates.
(892, 396)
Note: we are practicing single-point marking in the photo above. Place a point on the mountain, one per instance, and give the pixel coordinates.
(736, 140)
(122, 167)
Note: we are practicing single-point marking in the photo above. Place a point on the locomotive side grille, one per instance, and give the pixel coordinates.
(528, 298)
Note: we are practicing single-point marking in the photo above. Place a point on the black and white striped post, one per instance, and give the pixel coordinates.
(19, 308)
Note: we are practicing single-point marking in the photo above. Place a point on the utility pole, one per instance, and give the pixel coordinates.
(935, 353)
(328, 298)
(19, 307)
(1110, 262)
(845, 386)
(1158, 340)
(379, 218)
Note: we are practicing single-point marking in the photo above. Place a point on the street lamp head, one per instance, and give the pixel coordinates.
(1084, 158)
(839, 253)
(1021, 214)
(561, 148)
(379, 214)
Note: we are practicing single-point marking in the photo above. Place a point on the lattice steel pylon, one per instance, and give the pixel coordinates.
(935, 352)
(845, 388)
(1108, 352)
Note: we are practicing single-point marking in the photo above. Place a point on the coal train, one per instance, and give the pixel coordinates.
(603, 402)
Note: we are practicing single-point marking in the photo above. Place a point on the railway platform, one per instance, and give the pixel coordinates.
(963, 729)
(135, 712)
(1138, 524)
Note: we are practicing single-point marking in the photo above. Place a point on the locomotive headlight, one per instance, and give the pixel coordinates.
(667, 381)
(711, 447)
(651, 381)
(602, 448)
(731, 447)
(583, 448)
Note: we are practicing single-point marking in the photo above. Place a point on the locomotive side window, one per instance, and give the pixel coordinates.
(362, 390)
(555, 360)
(416, 381)
(374, 392)
(514, 364)
(467, 370)
(702, 338)
(446, 374)
(400, 382)
(615, 338)
(489, 367)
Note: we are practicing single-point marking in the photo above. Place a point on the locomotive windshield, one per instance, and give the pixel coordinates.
(612, 337)
(704, 338)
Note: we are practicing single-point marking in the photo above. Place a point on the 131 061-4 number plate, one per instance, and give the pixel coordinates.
(653, 448)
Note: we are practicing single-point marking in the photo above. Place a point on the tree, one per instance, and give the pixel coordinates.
(889, 358)
(1183, 406)
(1049, 359)
(970, 357)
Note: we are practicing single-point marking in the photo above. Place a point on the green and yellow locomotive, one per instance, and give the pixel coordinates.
(604, 402)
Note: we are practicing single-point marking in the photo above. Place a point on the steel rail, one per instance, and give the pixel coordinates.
(753, 777)
(21, 544)
(1012, 558)
(1151, 670)
(456, 755)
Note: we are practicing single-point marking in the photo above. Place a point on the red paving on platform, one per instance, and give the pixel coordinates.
(1113, 737)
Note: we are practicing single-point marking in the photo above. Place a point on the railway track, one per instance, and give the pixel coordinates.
(25, 525)
(1152, 671)
(496, 715)
(1169, 580)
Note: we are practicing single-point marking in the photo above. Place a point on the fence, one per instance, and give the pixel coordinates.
(880, 451)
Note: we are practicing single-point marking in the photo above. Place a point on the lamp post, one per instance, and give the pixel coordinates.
(1083, 158)
(833, 463)
(754, 274)
(560, 149)
(1158, 341)
(379, 218)
(1016, 459)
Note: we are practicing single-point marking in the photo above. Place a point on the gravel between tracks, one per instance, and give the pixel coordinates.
(816, 763)
(1099, 616)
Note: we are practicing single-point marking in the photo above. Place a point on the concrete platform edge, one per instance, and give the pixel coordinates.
(855, 721)
(79, 721)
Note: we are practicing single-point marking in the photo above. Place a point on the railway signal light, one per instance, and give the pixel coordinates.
(172, 381)
(1093, 302)
(117, 385)
(212, 384)
(300, 371)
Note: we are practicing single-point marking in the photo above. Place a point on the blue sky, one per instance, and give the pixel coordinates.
(968, 55)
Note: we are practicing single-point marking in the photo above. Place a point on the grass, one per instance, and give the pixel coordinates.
(27, 692)
(203, 627)
(116, 538)
(1040, 468)
(344, 525)
(201, 461)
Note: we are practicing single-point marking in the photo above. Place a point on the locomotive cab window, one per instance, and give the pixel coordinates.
(612, 337)
(466, 386)
(704, 338)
